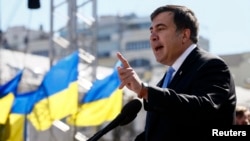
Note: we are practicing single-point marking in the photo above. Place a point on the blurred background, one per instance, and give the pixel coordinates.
(35, 34)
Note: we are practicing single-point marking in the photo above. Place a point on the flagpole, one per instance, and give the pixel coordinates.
(51, 43)
(1, 37)
(25, 129)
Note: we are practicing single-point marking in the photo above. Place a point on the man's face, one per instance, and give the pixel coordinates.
(243, 120)
(166, 42)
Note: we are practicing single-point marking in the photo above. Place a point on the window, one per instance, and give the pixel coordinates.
(139, 63)
(138, 45)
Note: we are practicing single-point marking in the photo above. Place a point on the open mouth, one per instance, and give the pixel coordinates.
(158, 48)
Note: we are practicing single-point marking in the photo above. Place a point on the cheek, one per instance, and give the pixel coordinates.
(167, 40)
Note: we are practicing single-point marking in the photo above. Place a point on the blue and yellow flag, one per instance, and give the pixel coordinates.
(7, 92)
(103, 102)
(57, 96)
(15, 128)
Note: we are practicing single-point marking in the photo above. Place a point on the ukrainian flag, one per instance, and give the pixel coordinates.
(15, 128)
(103, 102)
(13, 124)
(57, 96)
(7, 92)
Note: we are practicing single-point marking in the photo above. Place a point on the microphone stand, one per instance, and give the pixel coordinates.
(128, 114)
(109, 127)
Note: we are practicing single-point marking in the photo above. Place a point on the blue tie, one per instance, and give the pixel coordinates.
(168, 77)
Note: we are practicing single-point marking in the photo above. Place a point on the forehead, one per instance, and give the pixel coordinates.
(164, 18)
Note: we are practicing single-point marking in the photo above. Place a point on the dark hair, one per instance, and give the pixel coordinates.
(183, 18)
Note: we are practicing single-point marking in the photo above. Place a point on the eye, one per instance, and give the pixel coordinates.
(160, 28)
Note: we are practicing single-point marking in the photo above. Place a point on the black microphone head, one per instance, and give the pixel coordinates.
(127, 119)
(130, 111)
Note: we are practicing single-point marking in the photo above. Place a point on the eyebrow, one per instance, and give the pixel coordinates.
(160, 24)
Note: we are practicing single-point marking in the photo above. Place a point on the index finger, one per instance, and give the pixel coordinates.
(123, 60)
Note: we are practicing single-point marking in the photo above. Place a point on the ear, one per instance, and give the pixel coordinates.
(186, 35)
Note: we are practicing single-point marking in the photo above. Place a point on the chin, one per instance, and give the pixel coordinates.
(159, 61)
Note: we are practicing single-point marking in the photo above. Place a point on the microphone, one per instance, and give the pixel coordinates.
(128, 113)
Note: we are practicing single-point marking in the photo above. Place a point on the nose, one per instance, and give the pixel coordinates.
(153, 36)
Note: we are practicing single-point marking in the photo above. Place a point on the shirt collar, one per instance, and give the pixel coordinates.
(183, 56)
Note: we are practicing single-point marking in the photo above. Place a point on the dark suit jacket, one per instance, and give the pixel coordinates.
(201, 96)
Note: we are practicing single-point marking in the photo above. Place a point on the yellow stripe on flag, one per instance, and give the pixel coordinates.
(5, 105)
(97, 112)
(14, 128)
(55, 107)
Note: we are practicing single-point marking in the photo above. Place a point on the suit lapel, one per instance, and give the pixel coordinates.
(184, 68)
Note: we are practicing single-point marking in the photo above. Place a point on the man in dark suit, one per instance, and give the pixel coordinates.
(200, 94)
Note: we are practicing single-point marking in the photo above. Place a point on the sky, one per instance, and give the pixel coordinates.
(226, 23)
